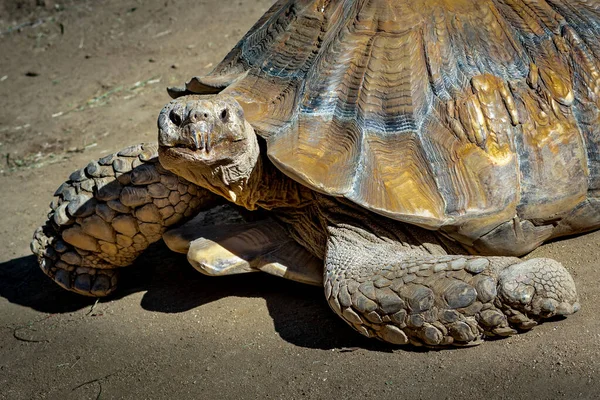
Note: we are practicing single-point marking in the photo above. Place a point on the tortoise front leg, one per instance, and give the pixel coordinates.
(406, 293)
(107, 214)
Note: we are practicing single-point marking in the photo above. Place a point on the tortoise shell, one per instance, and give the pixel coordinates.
(434, 112)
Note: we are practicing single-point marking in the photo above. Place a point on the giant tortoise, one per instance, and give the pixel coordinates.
(405, 153)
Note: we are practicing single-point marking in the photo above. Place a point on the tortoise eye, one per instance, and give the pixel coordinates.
(224, 115)
(175, 117)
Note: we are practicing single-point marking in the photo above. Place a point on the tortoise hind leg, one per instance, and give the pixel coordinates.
(107, 214)
(403, 293)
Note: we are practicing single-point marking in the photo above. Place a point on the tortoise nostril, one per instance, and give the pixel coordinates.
(196, 116)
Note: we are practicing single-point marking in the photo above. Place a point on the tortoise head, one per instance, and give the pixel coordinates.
(207, 141)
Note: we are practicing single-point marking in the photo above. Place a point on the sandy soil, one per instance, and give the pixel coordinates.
(82, 78)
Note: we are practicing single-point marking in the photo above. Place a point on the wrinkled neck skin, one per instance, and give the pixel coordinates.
(270, 189)
(260, 186)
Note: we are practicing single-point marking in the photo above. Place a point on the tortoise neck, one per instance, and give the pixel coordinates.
(269, 188)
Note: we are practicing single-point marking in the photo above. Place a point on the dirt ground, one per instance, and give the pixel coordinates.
(82, 78)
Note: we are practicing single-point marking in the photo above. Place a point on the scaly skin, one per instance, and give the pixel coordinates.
(415, 295)
(107, 214)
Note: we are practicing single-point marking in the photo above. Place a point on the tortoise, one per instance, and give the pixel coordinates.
(405, 154)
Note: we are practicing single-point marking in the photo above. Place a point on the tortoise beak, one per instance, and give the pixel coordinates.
(200, 135)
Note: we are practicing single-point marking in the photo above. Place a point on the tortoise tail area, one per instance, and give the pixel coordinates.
(107, 214)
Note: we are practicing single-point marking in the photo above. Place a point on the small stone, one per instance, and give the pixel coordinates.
(64, 266)
(440, 327)
(447, 341)
(195, 202)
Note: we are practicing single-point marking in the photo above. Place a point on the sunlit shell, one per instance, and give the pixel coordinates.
(434, 112)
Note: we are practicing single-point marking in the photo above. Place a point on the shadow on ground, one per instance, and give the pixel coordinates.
(300, 313)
